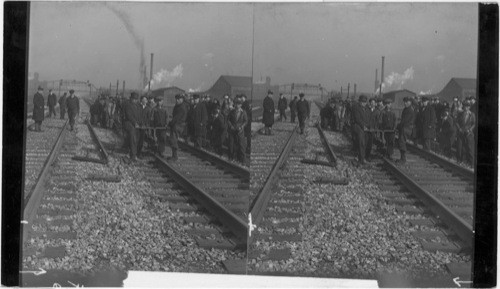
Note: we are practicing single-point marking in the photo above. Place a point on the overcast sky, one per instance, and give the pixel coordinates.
(424, 44)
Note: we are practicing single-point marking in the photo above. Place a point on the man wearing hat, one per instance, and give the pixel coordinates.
(303, 112)
(388, 122)
(199, 119)
(447, 132)
(465, 142)
(146, 115)
(405, 127)
(52, 102)
(177, 124)
(372, 118)
(73, 108)
(282, 106)
(38, 109)
(247, 108)
(131, 121)
(237, 121)
(62, 106)
(268, 114)
(359, 122)
(160, 120)
(427, 123)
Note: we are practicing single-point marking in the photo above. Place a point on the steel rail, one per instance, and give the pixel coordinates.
(102, 150)
(451, 219)
(260, 203)
(329, 151)
(240, 171)
(237, 226)
(32, 201)
(465, 172)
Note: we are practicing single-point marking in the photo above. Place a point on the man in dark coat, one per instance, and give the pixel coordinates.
(405, 127)
(131, 121)
(326, 114)
(388, 122)
(62, 105)
(95, 112)
(293, 109)
(237, 121)
(218, 131)
(73, 108)
(247, 107)
(373, 115)
(268, 114)
(52, 102)
(199, 118)
(447, 133)
(177, 124)
(338, 116)
(359, 123)
(427, 123)
(38, 109)
(303, 112)
(160, 120)
(466, 124)
(282, 106)
(144, 121)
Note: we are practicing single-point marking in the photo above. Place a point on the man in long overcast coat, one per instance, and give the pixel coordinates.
(177, 124)
(199, 117)
(268, 114)
(427, 123)
(303, 112)
(359, 122)
(73, 107)
(38, 109)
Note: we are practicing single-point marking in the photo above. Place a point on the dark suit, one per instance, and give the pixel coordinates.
(303, 113)
(237, 144)
(447, 135)
(62, 106)
(199, 119)
(427, 125)
(160, 119)
(388, 122)
(51, 102)
(282, 106)
(268, 114)
(145, 120)
(293, 110)
(405, 127)
(131, 118)
(465, 145)
(359, 122)
(177, 124)
(73, 107)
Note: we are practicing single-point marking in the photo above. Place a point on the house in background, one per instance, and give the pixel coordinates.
(397, 96)
(461, 87)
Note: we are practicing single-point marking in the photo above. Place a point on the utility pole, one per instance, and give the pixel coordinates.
(354, 93)
(117, 85)
(150, 74)
(123, 89)
(348, 87)
(382, 76)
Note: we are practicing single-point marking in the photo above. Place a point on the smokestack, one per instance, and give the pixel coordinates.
(117, 86)
(348, 87)
(354, 93)
(376, 79)
(123, 89)
(382, 75)
(150, 73)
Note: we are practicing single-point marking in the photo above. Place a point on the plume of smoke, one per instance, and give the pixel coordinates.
(165, 78)
(425, 92)
(138, 40)
(396, 80)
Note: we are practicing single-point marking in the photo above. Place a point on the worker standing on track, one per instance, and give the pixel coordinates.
(38, 109)
(160, 120)
(303, 112)
(447, 133)
(466, 124)
(282, 106)
(405, 127)
(338, 116)
(144, 121)
(62, 105)
(293, 109)
(427, 123)
(326, 114)
(199, 119)
(51, 102)
(388, 122)
(373, 115)
(236, 124)
(177, 124)
(73, 107)
(359, 124)
(218, 131)
(247, 107)
(131, 117)
(268, 114)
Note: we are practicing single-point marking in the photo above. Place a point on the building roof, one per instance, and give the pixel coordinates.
(167, 88)
(238, 81)
(465, 83)
(397, 91)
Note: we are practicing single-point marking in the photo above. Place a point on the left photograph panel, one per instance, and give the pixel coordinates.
(136, 147)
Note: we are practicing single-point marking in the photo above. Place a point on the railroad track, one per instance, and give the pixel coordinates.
(276, 209)
(440, 196)
(211, 194)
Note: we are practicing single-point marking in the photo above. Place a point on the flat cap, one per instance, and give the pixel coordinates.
(269, 92)
(363, 98)
(133, 95)
(425, 98)
(179, 96)
(301, 94)
(387, 101)
(158, 98)
(71, 91)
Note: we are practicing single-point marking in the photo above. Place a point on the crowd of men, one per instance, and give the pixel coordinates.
(423, 120)
(299, 107)
(69, 104)
(208, 123)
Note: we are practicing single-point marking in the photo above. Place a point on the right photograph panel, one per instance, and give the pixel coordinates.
(363, 142)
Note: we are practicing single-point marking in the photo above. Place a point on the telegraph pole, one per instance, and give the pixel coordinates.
(150, 74)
